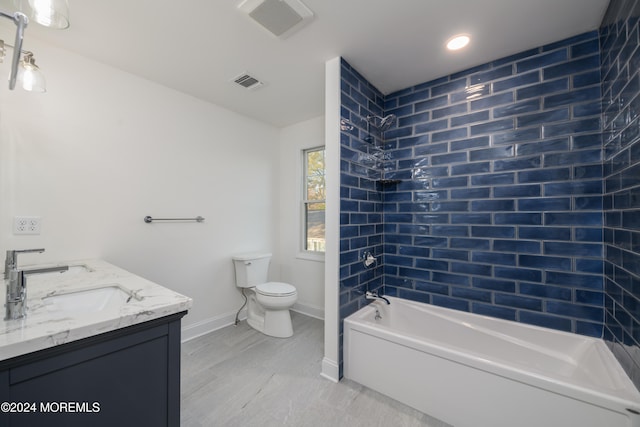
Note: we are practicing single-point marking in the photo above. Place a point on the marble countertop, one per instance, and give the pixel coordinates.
(47, 325)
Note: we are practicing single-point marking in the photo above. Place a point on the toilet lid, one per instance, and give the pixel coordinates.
(275, 289)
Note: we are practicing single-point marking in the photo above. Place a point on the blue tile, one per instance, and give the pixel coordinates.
(518, 274)
(491, 101)
(560, 144)
(588, 109)
(494, 74)
(543, 118)
(545, 233)
(494, 284)
(413, 119)
(474, 218)
(585, 48)
(449, 87)
(465, 144)
(542, 89)
(449, 182)
(493, 179)
(470, 168)
(573, 279)
(546, 291)
(517, 108)
(573, 188)
(494, 258)
(493, 231)
(475, 244)
(491, 153)
(492, 205)
(471, 294)
(451, 279)
(517, 164)
(544, 204)
(471, 193)
(449, 135)
(588, 234)
(542, 60)
(451, 230)
(493, 126)
(430, 104)
(430, 264)
(519, 80)
(583, 219)
(573, 249)
(560, 174)
(450, 254)
(545, 262)
(449, 111)
(414, 97)
(432, 126)
(572, 67)
(576, 311)
(518, 218)
(572, 127)
(519, 135)
(520, 246)
(517, 191)
(469, 118)
(580, 95)
(449, 158)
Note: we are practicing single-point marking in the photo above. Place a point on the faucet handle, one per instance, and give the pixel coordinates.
(11, 261)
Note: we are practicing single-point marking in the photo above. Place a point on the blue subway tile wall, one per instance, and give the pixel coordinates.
(519, 141)
(620, 60)
(361, 170)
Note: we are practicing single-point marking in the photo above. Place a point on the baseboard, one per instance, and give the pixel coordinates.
(309, 310)
(330, 370)
(206, 326)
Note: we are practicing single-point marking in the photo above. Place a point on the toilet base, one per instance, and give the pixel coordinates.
(272, 322)
(277, 324)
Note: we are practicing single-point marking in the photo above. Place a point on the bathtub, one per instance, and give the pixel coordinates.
(476, 371)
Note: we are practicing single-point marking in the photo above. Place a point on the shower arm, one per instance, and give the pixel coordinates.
(21, 21)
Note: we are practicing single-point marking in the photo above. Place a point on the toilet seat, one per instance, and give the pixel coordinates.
(275, 289)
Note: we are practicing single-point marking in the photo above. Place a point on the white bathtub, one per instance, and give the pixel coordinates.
(476, 371)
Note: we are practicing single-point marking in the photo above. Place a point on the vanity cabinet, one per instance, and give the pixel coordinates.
(125, 377)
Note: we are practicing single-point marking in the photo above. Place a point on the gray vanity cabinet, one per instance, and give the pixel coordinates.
(126, 377)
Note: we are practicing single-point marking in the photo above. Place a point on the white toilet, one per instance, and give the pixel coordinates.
(268, 302)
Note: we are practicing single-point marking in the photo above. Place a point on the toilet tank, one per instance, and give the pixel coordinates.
(251, 269)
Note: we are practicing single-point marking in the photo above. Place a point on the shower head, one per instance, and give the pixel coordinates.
(384, 123)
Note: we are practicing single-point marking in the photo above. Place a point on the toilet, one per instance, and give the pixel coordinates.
(268, 302)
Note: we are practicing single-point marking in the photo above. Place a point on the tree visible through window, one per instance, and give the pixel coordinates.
(314, 200)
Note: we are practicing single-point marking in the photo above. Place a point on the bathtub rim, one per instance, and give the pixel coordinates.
(535, 379)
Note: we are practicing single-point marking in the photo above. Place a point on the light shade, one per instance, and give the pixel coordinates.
(50, 13)
(29, 75)
(458, 42)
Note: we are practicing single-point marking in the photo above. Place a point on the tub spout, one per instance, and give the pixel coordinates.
(374, 296)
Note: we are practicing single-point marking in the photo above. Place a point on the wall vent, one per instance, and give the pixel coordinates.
(247, 81)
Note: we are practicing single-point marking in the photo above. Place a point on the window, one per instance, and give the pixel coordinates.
(313, 200)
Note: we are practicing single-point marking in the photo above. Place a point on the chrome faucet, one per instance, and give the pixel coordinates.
(16, 307)
(374, 296)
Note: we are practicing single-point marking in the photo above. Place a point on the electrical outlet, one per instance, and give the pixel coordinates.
(26, 225)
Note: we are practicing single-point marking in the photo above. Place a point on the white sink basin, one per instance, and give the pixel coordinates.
(108, 297)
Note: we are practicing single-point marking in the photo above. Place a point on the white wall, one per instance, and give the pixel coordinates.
(104, 148)
(306, 275)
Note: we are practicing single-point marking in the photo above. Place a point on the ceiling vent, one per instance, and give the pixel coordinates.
(247, 81)
(280, 17)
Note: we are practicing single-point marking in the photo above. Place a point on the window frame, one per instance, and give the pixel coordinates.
(305, 253)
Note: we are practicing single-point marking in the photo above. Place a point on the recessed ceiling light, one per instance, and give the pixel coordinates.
(458, 42)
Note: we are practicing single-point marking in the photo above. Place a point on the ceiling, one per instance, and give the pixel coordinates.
(199, 46)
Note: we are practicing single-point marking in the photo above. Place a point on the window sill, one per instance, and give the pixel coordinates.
(311, 256)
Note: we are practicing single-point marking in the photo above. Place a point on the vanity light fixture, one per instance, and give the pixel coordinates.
(458, 41)
(50, 13)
